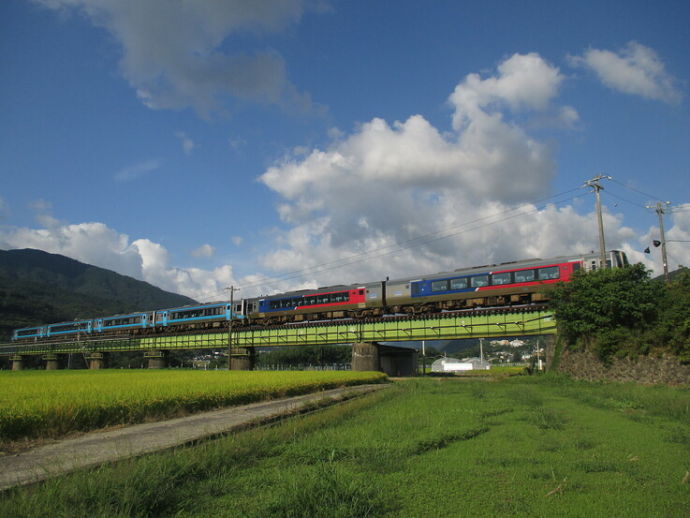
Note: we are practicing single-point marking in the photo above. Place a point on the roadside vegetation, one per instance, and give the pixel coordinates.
(622, 312)
(39, 404)
(522, 446)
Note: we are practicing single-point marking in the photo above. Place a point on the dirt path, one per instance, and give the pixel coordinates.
(96, 448)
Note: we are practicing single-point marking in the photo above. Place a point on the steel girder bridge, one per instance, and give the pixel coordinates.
(478, 323)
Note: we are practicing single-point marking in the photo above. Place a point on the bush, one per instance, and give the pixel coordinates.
(621, 312)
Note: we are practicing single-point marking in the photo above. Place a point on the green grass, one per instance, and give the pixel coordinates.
(38, 404)
(523, 446)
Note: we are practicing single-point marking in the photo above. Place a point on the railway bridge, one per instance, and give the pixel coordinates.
(367, 336)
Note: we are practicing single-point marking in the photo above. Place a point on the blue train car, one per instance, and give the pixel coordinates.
(66, 328)
(131, 321)
(191, 314)
(29, 332)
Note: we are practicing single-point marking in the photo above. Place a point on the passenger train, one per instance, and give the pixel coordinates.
(518, 282)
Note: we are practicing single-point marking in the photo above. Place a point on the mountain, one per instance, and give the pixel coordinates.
(39, 288)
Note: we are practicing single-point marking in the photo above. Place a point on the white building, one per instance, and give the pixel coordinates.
(455, 365)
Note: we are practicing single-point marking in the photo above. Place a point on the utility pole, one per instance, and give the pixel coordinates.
(596, 186)
(659, 208)
(232, 314)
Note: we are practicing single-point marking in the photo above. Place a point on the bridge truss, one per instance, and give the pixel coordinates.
(479, 323)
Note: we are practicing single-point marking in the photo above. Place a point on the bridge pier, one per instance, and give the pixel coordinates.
(17, 362)
(394, 361)
(365, 356)
(95, 360)
(242, 359)
(52, 362)
(156, 359)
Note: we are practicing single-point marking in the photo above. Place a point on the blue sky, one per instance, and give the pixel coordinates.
(276, 145)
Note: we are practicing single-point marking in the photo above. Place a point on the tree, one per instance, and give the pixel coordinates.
(608, 311)
(673, 328)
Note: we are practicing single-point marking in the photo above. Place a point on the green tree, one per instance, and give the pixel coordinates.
(673, 328)
(609, 311)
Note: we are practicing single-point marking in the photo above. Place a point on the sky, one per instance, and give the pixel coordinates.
(279, 145)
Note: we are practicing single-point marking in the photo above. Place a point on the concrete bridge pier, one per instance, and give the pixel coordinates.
(365, 356)
(52, 362)
(242, 359)
(156, 359)
(17, 362)
(96, 360)
(394, 361)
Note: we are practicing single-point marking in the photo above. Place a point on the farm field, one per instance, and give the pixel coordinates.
(40, 404)
(521, 446)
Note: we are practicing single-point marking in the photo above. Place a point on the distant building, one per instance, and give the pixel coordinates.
(455, 365)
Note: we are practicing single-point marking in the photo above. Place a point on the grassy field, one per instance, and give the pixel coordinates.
(522, 446)
(37, 404)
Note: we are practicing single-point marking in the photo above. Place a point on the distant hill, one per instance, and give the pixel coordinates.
(38, 288)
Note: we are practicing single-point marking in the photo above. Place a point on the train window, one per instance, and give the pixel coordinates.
(524, 276)
(480, 280)
(458, 284)
(498, 279)
(439, 285)
(548, 273)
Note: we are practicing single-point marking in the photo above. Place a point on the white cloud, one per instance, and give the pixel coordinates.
(138, 170)
(635, 69)
(187, 143)
(237, 240)
(173, 52)
(385, 184)
(354, 210)
(524, 82)
(204, 251)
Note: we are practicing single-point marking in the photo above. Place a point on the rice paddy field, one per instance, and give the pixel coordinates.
(41, 404)
(522, 446)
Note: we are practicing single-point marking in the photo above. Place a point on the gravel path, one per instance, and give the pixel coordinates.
(96, 448)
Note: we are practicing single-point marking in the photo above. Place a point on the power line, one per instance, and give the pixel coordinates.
(609, 193)
(635, 190)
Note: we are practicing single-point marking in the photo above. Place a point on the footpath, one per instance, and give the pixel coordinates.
(100, 447)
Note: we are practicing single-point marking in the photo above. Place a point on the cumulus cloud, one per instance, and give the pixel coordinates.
(405, 198)
(138, 170)
(204, 251)
(385, 184)
(635, 69)
(173, 52)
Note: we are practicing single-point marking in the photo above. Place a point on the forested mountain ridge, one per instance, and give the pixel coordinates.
(37, 287)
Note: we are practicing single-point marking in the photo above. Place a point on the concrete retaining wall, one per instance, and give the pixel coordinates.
(643, 369)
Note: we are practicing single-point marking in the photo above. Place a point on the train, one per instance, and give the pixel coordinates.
(504, 284)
